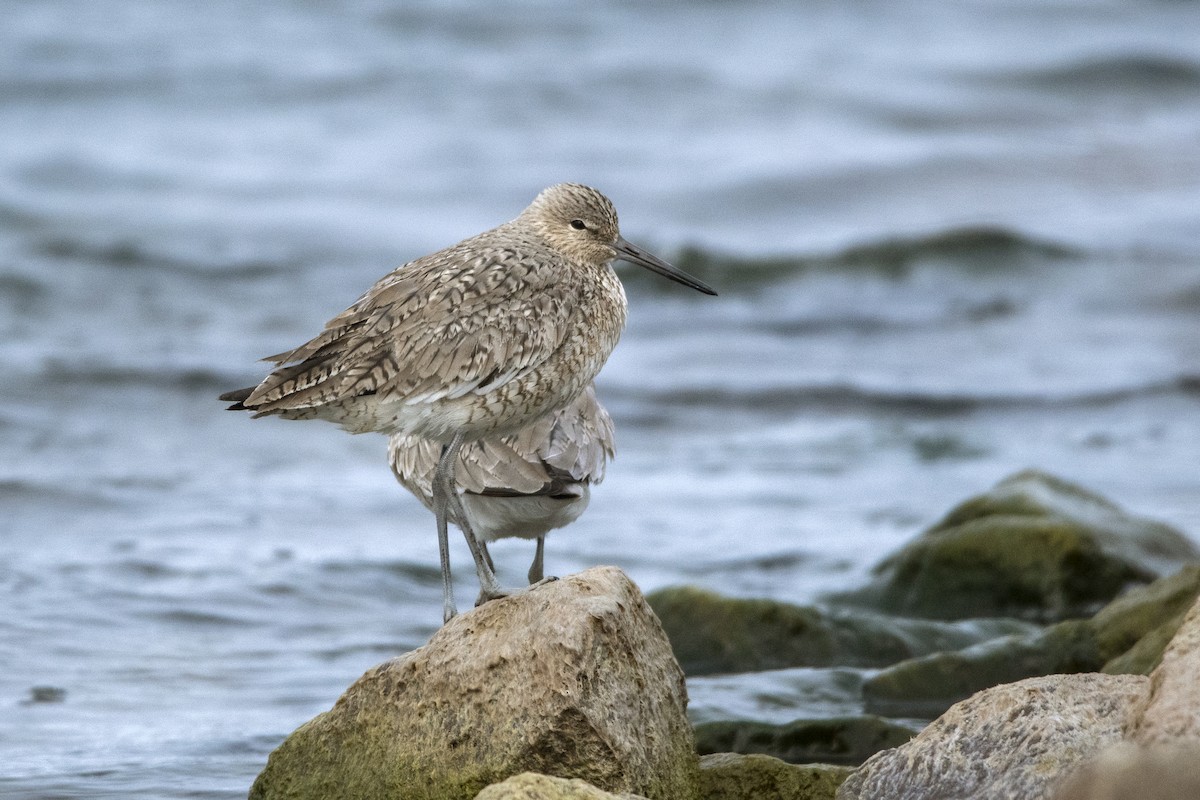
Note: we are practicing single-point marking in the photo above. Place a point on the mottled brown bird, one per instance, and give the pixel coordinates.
(480, 339)
(522, 485)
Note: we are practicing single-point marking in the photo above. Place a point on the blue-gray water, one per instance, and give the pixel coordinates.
(994, 210)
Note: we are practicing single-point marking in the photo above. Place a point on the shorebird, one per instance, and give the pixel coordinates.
(479, 339)
(522, 485)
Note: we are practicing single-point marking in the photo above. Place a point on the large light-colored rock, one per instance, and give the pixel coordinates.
(1161, 758)
(574, 679)
(1129, 772)
(1010, 742)
(1172, 713)
(534, 786)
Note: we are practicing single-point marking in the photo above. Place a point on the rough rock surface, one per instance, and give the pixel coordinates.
(574, 678)
(1172, 713)
(1011, 742)
(1035, 547)
(1160, 759)
(729, 776)
(534, 786)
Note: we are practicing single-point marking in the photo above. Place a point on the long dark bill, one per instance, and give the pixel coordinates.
(636, 255)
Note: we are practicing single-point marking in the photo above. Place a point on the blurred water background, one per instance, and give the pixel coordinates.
(952, 241)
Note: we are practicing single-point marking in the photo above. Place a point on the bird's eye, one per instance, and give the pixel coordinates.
(578, 225)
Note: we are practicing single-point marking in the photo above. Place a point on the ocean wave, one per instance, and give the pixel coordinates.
(44, 495)
(205, 83)
(843, 398)
(22, 290)
(134, 255)
(59, 374)
(1135, 73)
(1186, 299)
(420, 573)
(973, 249)
(983, 310)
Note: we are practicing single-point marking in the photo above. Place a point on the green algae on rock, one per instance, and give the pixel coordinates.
(574, 678)
(1126, 636)
(712, 634)
(731, 776)
(1033, 547)
(838, 740)
(925, 687)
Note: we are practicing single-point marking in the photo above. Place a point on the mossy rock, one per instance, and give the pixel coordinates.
(1146, 611)
(712, 634)
(733, 776)
(925, 687)
(574, 678)
(1143, 657)
(1034, 547)
(847, 741)
(1126, 636)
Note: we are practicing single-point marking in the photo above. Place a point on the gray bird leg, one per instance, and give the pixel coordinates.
(487, 556)
(535, 569)
(441, 508)
(446, 491)
(449, 611)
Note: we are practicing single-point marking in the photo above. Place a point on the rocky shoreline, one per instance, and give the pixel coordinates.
(1052, 639)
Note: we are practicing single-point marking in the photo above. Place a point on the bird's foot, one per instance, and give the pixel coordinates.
(498, 593)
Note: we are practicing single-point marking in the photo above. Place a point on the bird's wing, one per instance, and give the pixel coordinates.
(414, 460)
(482, 465)
(573, 444)
(467, 319)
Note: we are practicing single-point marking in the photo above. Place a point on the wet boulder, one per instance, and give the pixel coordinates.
(730, 776)
(712, 634)
(573, 679)
(837, 740)
(1108, 737)
(1034, 547)
(1134, 630)
(1126, 636)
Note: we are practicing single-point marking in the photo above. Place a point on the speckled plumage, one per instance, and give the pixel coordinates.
(479, 339)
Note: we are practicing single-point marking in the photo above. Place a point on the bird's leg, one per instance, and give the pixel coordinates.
(489, 588)
(487, 556)
(535, 569)
(449, 611)
(441, 508)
